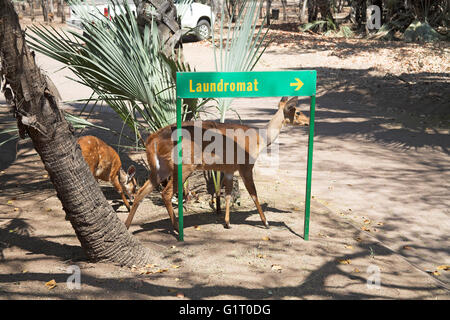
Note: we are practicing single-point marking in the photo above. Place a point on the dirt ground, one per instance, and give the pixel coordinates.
(380, 207)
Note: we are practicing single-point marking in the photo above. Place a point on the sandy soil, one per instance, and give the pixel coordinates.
(380, 193)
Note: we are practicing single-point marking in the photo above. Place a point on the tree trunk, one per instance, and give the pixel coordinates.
(261, 12)
(326, 11)
(360, 12)
(312, 10)
(268, 5)
(63, 11)
(166, 20)
(32, 10)
(44, 10)
(101, 233)
(303, 12)
(284, 4)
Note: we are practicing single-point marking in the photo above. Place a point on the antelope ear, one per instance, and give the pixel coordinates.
(130, 173)
(282, 102)
(122, 176)
(293, 100)
(291, 104)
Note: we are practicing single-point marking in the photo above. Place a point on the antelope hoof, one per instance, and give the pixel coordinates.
(227, 225)
(266, 224)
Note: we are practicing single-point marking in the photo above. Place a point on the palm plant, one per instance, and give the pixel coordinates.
(125, 66)
(401, 14)
(126, 69)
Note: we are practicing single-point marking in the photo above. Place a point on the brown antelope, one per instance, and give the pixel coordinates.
(160, 145)
(299, 118)
(105, 164)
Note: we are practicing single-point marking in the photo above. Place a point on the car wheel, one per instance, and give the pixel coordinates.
(203, 30)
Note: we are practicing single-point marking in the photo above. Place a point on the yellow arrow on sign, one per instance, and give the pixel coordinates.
(298, 83)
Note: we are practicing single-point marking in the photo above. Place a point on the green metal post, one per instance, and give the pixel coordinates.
(309, 168)
(180, 172)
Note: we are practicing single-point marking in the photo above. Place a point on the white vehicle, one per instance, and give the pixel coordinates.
(196, 18)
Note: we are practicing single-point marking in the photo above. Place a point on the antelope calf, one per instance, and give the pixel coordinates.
(105, 164)
(299, 118)
(160, 145)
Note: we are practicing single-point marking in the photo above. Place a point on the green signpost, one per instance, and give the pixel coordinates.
(244, 85)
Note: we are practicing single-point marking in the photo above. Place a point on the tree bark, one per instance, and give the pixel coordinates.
(166, 19)
(268, 5)
(101, 233)
(284, 5)
(312, 10)
(63, 11)
(44, 10)
(31, 2)
(303, 11)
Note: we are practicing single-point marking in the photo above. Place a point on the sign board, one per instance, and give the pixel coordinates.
(245, 85)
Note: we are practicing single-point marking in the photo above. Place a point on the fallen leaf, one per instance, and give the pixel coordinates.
(276, 267)
(197, 227)
(24, 271)
(161, 270)
(174, 266)
(261, 256)
(45, 176)
(407, 248)
(10, 202)
(356, 270)
(142, 271)
(149, 265)
(380, 224)
(364, 228)
(444, 267)
(436, 273)
(265, 238)
(367, 221)
(349, 247)
(180, 295)
(16, 209)
(358, 239)
(345, 261)
(48, 209)
(50, 284)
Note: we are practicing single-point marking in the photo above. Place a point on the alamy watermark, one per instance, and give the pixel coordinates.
(373, 14)
(374, 277)
(74, 280)
(226, 146)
